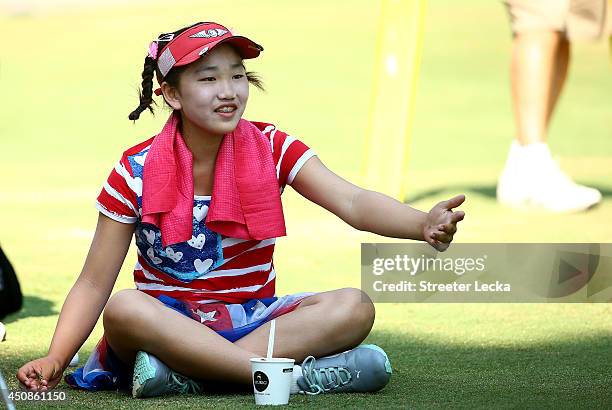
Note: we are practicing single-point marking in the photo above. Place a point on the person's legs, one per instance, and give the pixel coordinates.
(531, 177)
(323, 334)
(135, 321)
(536, 82)
(322, 324)
(532, 80)
(560, 67)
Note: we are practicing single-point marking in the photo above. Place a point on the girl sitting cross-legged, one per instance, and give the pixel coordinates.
(203, 201)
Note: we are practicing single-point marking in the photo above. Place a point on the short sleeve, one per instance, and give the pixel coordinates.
(118, 197)
(289, 153)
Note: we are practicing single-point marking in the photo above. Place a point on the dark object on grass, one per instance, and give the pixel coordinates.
(10, 291)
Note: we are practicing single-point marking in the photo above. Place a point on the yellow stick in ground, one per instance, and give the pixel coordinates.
(609, 26)
(398, 55)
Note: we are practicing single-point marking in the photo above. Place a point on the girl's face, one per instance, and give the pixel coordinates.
(213, 91)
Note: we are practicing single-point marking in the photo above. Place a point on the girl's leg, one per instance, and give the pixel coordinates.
(136, 321)
(322, 324)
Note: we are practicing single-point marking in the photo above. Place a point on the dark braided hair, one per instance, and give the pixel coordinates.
(146, 94)
(172, 78)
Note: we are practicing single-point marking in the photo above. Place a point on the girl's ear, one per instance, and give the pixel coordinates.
(171, 95)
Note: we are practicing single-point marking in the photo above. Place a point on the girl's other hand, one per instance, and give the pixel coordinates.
(441, 223)
(41, 374)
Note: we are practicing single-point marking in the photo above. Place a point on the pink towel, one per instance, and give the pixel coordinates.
(245, 201)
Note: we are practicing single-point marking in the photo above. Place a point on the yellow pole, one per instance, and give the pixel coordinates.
(398, 55)
(608, 26)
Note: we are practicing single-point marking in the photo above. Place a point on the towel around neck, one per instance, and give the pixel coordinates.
(245, 201)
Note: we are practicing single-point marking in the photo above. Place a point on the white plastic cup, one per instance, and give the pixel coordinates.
(272, 380)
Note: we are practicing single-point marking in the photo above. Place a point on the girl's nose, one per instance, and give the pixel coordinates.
(226, 90)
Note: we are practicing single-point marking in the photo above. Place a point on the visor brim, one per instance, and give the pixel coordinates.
(245, 47)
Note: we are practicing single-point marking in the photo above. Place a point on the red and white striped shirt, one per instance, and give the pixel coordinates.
(209, 267)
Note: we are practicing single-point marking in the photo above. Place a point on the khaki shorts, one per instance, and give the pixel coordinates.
(577, 19)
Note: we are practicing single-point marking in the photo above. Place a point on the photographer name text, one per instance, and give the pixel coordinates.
(427, 286)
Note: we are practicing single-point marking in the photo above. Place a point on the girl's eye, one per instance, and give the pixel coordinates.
(238, 76)
(208, 79)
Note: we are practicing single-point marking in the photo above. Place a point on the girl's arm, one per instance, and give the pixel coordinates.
(83, 304)
(375, 212)
(92, 289)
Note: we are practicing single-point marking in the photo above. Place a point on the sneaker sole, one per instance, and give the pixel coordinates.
(143, 372)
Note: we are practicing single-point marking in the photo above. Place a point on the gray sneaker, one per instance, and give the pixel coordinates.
(365, 368)
(153, 378)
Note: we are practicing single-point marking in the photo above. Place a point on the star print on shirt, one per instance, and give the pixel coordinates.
(206, 316)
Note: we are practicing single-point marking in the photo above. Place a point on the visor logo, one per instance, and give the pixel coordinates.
(213, 32)
(165, 37)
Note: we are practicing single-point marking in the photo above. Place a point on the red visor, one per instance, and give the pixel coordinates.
(193, 43)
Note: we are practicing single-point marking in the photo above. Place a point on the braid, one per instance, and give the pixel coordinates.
(149, 70)
(146, 94)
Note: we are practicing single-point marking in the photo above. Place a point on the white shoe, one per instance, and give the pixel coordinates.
(513, 186)
(2, 332)
(531, 178)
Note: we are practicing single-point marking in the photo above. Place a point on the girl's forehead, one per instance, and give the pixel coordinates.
(220, 56)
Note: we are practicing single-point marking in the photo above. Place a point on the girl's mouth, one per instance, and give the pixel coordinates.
(227, 111)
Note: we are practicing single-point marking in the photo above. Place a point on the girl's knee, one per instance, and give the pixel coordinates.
(355, 308)
(126, 308)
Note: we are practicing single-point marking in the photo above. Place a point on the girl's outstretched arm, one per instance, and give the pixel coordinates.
(375, 212)
(83, 304)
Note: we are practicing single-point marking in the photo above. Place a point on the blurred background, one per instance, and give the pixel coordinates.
(69, 76)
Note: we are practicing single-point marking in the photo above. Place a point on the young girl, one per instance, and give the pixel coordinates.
(202, 199)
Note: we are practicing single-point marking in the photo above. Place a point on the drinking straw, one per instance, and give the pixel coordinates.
(271, 338)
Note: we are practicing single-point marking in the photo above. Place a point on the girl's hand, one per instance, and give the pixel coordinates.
(441, 223)
(41, 374)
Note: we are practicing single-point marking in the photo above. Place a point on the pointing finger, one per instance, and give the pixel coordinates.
(453, 202)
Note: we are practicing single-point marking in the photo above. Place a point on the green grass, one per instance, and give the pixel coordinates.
(62, 127)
